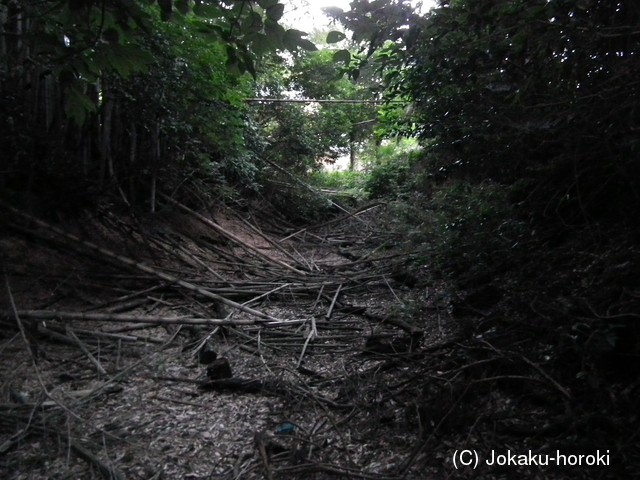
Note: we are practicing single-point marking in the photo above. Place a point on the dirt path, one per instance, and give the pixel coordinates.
(318, 333)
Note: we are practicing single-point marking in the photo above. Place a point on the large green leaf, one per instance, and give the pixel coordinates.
(212, 33)
(290, 42)
(84, 68)
(293, 41)
(261, 44)
(275, 32)
(130, 58)
(335, 37)
(252, 23)
(296, 33)
(275, 13)
(342, 56)
(307, 45)
(249, 63)
(267, 3)
(233, 65)
(111, 35)
(77, 104)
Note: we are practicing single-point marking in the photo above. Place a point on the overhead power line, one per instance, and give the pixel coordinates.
(314, 100)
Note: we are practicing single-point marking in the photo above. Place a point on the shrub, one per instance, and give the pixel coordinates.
(394, 177)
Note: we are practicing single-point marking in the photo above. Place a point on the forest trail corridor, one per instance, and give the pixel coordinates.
(209, 345)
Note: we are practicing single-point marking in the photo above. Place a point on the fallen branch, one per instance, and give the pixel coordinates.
(333, 302)
(27, 335)
(407, 327)
(355, 213)
(111, 317)
(537, 368)
(108, 472)
(300, 182)
(267, 239)
(313, 333)
(259, 441)
(318, 298)
(113, 336)
(117, 301)
(231, 236)
(86, 351)
(140, 266)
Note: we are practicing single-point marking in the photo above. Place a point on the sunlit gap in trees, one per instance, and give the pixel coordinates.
(307, 15)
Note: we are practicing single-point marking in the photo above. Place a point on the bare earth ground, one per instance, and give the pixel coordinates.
(331, 391)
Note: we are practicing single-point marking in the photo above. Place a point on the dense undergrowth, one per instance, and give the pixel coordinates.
(524, 284)
(546, 354)
(518, 217)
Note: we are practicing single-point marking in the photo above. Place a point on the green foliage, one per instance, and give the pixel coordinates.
(389, 180)
(249, 29)
(79, 42)
(512, 91)
(316, 76)
(345, 180)
(301, 136)
(528, 90)
(462, 228)
(393, 170)
(76, 103)
(199, 103)
(335, 37)
(395, 120)
(373, 23)
(343, 56)
(146, 100)
(296, 202)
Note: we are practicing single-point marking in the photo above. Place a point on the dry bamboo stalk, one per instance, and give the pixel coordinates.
(187, 257)
(58, 337)
(125, 298)
(53, 314)
(114, 336)
(105, 469)
(355, 213)
(200, 262)
(378, 259)
(313, 333)
(407, 327)
(271, 242)
(304, 259)
(86, 351)
(333, 302)
(300, 182)
(230, 235)
(367, 255)
(315, 304)
(266, 294)
(140, 266)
